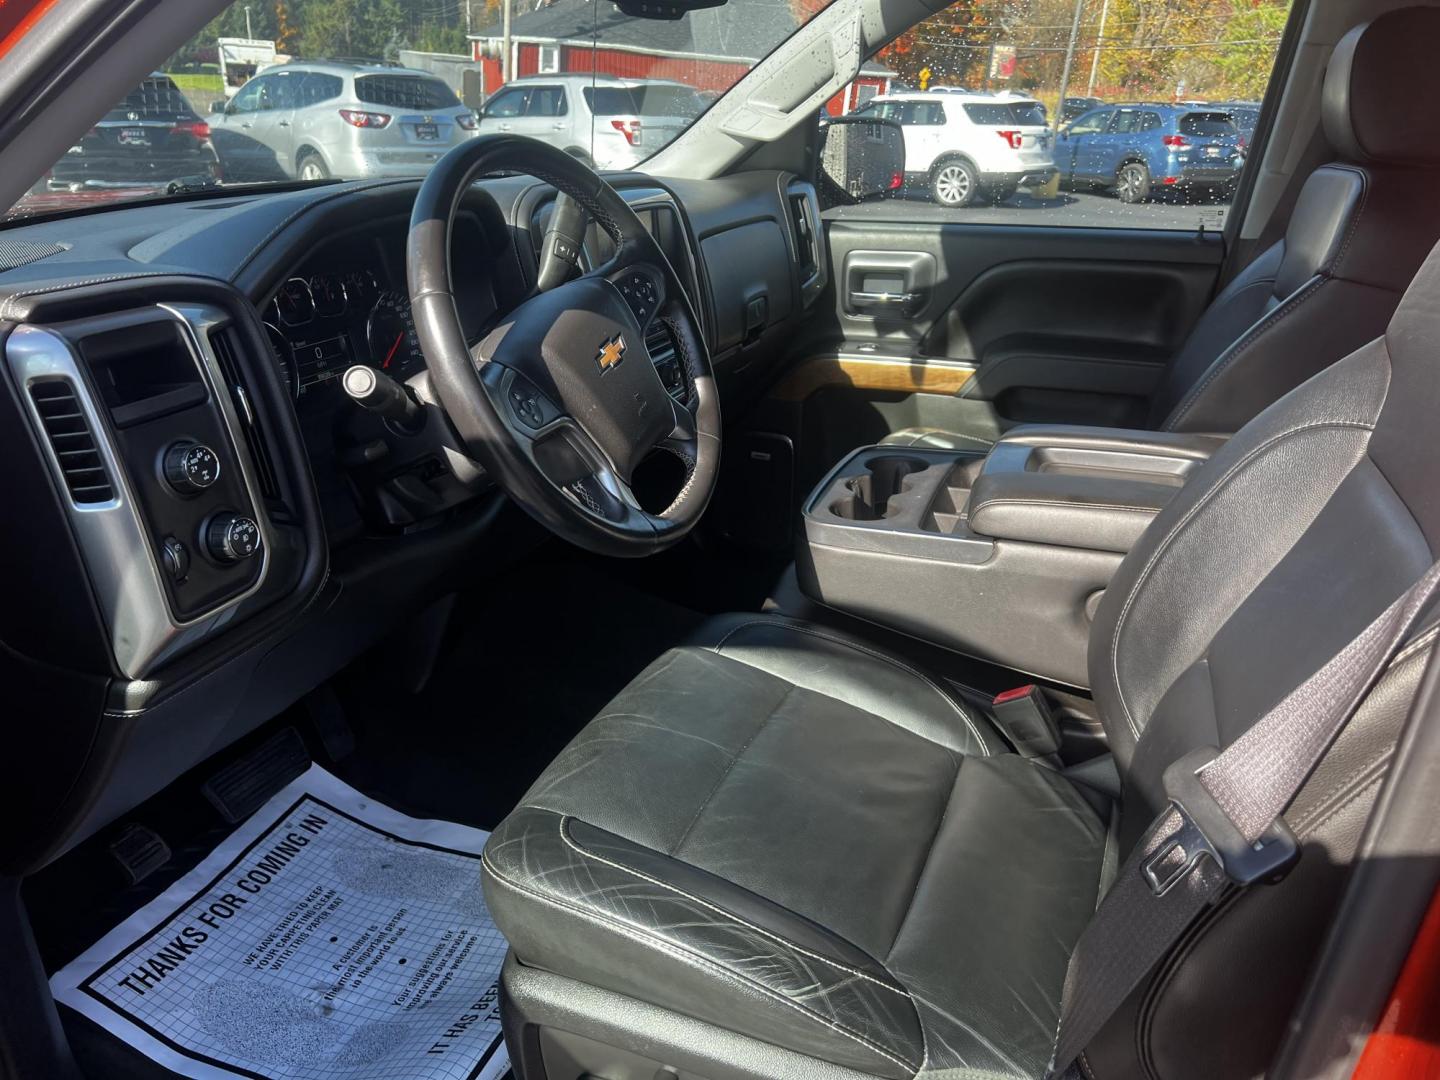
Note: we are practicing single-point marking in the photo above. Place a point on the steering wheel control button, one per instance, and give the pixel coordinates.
(190, 467)
(529, 405)
(566, 249)
(175, 557)
(231, 538)
(640, 293)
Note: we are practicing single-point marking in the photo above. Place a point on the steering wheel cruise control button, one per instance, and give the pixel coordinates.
(639, 293)
(529, 405)
(189, 468)
(232, 537)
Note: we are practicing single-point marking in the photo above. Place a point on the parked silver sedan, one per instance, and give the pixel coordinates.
(312, 120)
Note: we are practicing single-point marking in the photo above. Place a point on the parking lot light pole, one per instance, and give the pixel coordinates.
(249, 34)
(1099, 42)
(1069, 60)
(505, 46)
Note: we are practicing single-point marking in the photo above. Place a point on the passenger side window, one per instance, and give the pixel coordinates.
(1014, 101)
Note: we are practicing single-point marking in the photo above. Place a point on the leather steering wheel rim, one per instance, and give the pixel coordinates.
(560, 402)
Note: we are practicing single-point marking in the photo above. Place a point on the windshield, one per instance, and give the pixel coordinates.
(312, 91)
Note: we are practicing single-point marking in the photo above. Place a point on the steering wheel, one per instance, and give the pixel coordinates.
(561, 402)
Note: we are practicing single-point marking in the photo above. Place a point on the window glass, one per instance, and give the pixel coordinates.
(1079, 93)
(248, 99)
(405, 92)
(317, 87)
(643, 100)
(997, 114)
(546, 101)
(1126, 121)
(153, 99)
(1092, 124)
(1206, 124)
(506, 103)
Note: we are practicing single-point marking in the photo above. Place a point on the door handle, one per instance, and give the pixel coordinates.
(504, 127)
(557, 127)
(244, 125)
(884, 299)
(283, 123)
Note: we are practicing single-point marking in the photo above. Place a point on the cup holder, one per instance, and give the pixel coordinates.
(868, 495)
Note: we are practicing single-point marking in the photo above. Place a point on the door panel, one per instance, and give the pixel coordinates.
(992, 326)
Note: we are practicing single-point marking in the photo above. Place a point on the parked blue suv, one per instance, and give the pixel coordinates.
(1136, 149)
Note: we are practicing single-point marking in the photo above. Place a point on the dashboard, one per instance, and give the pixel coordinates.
(348, 304)
(213, 526)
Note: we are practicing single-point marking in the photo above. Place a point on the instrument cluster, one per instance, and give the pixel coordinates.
(322, 324)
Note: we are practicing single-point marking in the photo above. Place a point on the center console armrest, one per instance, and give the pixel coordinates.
(1093, 488)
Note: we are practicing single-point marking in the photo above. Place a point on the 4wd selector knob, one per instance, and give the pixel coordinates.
(190, 467)
(231, 537)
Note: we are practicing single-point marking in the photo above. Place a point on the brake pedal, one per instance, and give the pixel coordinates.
(243, 786)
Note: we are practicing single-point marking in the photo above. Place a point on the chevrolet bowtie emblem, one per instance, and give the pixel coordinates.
(611, 353)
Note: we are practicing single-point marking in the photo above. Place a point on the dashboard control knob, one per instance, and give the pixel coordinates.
(190, 467)
(231, 537)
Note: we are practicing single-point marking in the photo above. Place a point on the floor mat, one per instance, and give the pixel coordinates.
(328, 938)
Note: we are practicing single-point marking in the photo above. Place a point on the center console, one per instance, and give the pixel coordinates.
(1002, 555)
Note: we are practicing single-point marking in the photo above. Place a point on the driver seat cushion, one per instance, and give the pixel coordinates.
(784, 832)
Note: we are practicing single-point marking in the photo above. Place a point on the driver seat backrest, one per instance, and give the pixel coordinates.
(1360, 229)
(1294, 537)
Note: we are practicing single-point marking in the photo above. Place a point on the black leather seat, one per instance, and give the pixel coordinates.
(780, 852)
(1358, 233)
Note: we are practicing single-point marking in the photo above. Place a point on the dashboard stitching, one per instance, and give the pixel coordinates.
(80, 284)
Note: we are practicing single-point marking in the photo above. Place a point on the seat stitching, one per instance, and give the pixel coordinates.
(1359, 213)
(730, 765)
(1164, 545)
(1322, 809)
(963, 714)
(1227, 358)
(574, 845)
(693, 959)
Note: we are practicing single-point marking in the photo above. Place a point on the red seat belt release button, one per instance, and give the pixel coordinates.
(1024, 716)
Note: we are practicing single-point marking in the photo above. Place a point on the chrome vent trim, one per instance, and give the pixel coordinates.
(72, 441)
(227, 352)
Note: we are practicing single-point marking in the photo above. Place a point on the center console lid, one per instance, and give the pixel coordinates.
(1095, 488)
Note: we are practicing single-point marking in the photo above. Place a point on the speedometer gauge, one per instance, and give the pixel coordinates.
(390, 333)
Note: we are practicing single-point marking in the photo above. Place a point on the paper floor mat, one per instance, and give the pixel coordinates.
(328, 938)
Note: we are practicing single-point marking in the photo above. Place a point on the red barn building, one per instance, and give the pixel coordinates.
(705, 49)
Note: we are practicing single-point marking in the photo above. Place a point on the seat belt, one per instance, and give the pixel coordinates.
(1223, 826)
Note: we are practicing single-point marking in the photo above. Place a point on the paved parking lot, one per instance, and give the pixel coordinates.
(1068, 208)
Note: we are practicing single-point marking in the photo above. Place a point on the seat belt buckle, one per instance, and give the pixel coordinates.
(1024, 716)
(1207, 831)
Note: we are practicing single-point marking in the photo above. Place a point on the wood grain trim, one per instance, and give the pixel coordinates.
(878, 373)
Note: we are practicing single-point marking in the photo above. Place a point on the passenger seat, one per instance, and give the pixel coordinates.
(1359, 232)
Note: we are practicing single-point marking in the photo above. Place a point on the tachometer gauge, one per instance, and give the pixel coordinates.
(284, 359)
(361, 287)
(295, 303)
(330, 295)
(390, 333)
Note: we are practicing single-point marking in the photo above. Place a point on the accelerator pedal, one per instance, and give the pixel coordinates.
(243, 786)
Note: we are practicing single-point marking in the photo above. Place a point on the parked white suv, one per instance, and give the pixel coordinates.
(608, 122)
(962, 146)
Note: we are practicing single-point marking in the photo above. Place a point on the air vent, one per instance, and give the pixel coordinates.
(661, 347)
(73, 441)
(227, 351)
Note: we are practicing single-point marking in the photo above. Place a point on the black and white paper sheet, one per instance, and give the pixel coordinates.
(329, 938)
